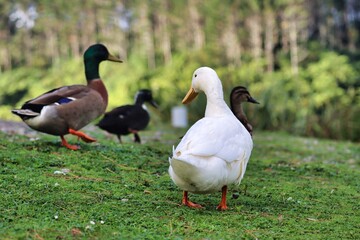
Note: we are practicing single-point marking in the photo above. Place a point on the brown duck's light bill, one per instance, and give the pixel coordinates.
(189, 96)
(113, 58)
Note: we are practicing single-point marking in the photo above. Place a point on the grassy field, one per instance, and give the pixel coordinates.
(294, 188)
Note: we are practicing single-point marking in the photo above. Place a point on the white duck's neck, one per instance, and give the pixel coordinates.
(215, 104)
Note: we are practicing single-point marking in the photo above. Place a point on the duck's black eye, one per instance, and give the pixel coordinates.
(195, 75)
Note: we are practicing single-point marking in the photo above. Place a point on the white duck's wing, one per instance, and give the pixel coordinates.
(219, 137)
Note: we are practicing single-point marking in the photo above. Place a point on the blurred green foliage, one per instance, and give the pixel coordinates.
(322, 100)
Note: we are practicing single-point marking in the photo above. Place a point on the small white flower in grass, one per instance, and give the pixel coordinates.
(63, 171)
(102, 222)
(289, 198)
(56, 217)
(59, 172)
(92, 222)
(56, 184)
(124, 200)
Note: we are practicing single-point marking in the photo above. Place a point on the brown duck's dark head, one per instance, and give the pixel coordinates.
(239, 95)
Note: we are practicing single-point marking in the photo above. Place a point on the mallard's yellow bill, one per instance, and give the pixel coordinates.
(113, 58)
(189, 96)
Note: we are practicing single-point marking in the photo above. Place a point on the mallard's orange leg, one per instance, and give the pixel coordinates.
(82, 135)
(66, 144)
(186, 202)
(222, 206)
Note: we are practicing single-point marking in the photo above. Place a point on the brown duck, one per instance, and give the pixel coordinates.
(67, 109)
(239, 95)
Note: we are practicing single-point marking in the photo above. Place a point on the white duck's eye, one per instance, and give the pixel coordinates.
(195, 75)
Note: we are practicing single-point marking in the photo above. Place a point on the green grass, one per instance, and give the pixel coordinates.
(294, 188)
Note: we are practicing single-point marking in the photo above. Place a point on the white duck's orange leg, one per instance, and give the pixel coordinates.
(82, 135)
(186, 202)
(222, 206)
(66, 144)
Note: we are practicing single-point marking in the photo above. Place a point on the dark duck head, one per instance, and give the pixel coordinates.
(237, 97)
(145, 95)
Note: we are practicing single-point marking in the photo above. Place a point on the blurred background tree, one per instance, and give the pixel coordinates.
(299, 58)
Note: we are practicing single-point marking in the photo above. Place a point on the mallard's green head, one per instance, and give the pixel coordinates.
(93, 56)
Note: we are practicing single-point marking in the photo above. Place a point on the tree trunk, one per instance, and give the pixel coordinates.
(293, 46)
(5, 54)
(87, 26)
(27, 45)
(196, 25)
(231, 42)
(284, 25)
(269, 39)
(51, 44)
(147, 34)
(74, 45)
(254, 26)
(163, 32)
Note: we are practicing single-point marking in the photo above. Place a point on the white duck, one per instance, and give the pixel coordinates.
(215, 150)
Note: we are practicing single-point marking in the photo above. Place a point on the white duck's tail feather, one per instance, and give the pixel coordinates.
(183, 169)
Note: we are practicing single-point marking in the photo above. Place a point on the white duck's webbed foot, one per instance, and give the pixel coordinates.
(186, 202)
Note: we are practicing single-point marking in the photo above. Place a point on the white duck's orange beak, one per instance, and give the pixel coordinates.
(191, 95)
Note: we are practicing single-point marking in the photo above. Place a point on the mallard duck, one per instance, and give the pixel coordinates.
(239, 95)
(67, 109)
(215, 151)
(129, 118)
